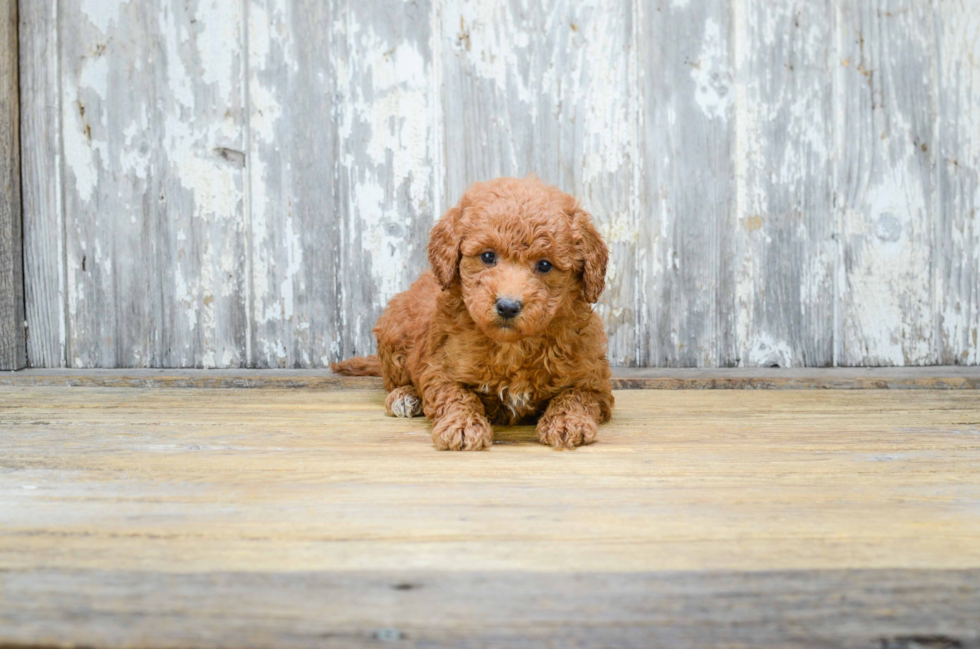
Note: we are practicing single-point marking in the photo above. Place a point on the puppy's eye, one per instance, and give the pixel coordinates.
(489, 257)
(544, 266)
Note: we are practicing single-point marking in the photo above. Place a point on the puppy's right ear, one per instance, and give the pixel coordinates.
(444, 240)
(595, 256)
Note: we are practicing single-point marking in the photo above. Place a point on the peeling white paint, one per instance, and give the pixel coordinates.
(958, 282)
(219, 24)
(493, 43)
(388, 121)
(85, 149)
(294, 263)
(712, 72)
(562, 86)
(887, 194)
(766, 352)
(272, 301)
(889, 286)
(100, 13)
(79, 157)
(785, 254)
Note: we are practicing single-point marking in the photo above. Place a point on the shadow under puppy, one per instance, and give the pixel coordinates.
(501, 330)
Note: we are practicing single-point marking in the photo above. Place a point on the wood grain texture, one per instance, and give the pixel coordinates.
(342, 183)
(886, 104)
(784, 242)
(296, 229)
(41, 169)
(550, 89)
(876, 378)
(687, 305)
(897, 609)
(202, 517)
(153, 136)
(212, 480)
(958, 249)
(789, 183)
(13, 348)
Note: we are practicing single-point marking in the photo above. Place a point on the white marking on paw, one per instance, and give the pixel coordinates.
(407, 405)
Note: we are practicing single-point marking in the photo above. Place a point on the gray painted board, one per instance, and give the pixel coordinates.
(295, 226)
(785, 247)
(687, 267)
(342, 178)
(886, 182)
(958, 249)
(153, 129)
(13, 349)
(41, 154)
(789, 183)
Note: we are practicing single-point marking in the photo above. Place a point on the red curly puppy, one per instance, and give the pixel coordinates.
(502, 329)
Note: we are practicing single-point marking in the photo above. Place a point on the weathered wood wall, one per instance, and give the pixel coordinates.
(13, 348)
(247, 183)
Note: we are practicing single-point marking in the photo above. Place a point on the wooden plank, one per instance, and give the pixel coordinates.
(154, 150)
(549, 89)
(198, 517)
(387, 178)
(343, 181)
(886, 105)
(41, 157)
(13, 348)
(296, 227)
(284, 480)
(887, 378)
(785, 247)
(957, 252)
(898, 609)
(687, 304)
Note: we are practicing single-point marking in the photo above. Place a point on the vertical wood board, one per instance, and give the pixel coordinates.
(13, 349)
(958, 250)
(153, 138)
(687, 263)
(41, 166)
(886, 112)
(785, 247)
(342, 187)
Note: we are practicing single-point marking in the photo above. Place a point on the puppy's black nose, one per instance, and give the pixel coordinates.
(508, 307)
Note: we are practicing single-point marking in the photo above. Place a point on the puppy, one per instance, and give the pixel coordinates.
(501, 330)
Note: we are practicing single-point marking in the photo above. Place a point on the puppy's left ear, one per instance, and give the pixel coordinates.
(593, 253)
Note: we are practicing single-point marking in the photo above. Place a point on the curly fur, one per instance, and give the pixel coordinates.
(443, 350)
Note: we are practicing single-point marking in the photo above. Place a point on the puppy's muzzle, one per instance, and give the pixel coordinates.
(508, 307)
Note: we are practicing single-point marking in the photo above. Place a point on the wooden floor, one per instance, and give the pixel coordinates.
(163, 517)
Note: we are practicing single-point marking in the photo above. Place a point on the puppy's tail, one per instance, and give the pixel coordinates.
(358, 366)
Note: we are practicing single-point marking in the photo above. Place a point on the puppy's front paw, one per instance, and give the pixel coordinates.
(403, 401)
(567, 430)
(461, 430)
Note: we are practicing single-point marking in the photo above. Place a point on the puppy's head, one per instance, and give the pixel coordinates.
(520, 250)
